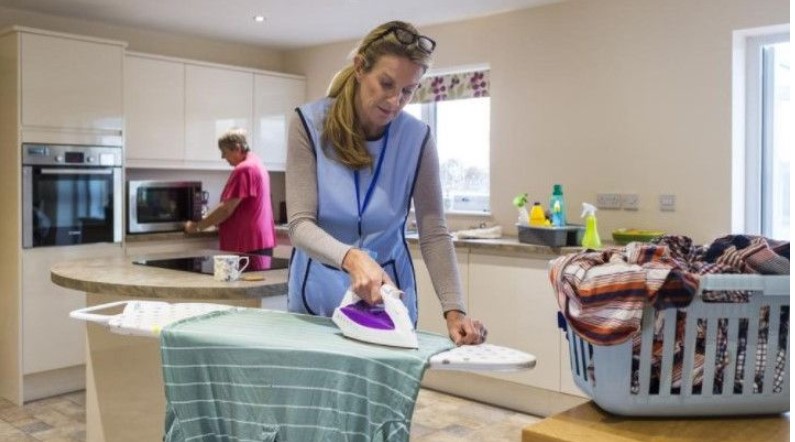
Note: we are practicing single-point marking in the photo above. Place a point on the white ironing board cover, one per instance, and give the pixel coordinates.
(147, 319)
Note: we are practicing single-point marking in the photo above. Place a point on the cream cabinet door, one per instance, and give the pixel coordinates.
(275, 98)
(514, 298)
(154, 106)
(71, 84)
(216, 100)
(429, 315)
(50, 338)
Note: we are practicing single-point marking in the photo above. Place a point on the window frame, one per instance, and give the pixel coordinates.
(428, 115)
(752, 162)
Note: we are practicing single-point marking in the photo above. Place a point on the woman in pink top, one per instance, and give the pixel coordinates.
(244, 216)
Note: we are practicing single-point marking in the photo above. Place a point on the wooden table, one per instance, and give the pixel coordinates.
(589, 423)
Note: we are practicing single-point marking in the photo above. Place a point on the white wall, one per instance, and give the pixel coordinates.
(601, 96)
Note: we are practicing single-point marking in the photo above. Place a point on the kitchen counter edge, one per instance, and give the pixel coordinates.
(506, 245)
(119, 276)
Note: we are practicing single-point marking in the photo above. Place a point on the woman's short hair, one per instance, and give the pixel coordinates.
(234, 137)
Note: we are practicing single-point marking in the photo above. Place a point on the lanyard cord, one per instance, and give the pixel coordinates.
(362, 207)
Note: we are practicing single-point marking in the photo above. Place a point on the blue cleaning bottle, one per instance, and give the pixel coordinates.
(591, 238)
(557, 206)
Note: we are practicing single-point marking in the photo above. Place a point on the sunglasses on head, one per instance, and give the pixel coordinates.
(406, 38)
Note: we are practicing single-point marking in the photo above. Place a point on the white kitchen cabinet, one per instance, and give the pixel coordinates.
(429, 316)
(71, 83)
(154, 107)
(513, 297)
(216, 100)
(52, 342)
(275, 98)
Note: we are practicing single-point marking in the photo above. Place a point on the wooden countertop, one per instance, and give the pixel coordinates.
(119, 276)
(589, 423)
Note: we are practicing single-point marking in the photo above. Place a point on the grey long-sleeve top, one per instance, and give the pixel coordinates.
(436, 244)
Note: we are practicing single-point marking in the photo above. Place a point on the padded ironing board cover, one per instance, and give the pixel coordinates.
(259, 375)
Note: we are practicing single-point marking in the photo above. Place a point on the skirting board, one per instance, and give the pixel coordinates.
(54, 382)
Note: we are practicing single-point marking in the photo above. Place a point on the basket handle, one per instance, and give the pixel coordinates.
(767, 284)
(84, 314)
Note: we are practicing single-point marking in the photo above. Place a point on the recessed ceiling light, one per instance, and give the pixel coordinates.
(259, 18)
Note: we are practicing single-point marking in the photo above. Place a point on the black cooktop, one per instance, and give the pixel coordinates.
(204, 264)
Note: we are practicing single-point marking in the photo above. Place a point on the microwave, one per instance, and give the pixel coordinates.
(163, 206)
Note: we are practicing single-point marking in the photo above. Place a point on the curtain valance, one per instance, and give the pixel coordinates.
(452, 87)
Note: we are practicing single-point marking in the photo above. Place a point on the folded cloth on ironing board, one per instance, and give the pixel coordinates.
(266, 375)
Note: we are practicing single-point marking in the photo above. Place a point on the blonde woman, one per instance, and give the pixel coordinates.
(355, 161)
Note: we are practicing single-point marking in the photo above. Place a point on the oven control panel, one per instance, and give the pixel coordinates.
(74, 155)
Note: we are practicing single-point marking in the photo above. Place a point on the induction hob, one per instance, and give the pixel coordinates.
(204, 264)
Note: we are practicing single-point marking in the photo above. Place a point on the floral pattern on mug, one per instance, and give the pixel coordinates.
(227, 268)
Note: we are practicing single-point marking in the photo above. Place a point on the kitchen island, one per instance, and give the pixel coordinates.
(124, 388)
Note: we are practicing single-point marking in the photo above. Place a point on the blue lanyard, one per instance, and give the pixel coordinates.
(367, 196)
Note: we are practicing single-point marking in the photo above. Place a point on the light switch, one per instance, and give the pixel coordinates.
(630, 201)
(608, 201)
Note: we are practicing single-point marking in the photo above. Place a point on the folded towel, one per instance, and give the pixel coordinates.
(482, 233)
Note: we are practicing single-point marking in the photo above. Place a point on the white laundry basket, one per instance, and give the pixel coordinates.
(606, 372)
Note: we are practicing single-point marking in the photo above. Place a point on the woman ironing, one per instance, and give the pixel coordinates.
(355, 161)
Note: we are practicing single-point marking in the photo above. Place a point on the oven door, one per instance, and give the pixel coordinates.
(70, 205)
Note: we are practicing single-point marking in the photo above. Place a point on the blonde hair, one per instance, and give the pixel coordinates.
(341, 128)
(234, 137)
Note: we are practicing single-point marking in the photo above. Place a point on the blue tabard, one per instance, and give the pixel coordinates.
(365, 208)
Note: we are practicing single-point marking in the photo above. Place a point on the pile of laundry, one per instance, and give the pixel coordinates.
(602, 295)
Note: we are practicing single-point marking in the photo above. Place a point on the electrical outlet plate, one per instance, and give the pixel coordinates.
(630, 201)
(608, 201)
(667, 203)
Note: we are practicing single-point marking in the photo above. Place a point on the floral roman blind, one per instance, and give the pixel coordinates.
(452, 87)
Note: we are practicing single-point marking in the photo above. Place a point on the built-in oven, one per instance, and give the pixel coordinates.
(71, 194)
(163, 206)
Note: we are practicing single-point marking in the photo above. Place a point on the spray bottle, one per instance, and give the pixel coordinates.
(557, 206)
(520, 201)
(591, 238)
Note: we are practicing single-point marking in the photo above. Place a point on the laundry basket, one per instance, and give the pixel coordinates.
(708, 347)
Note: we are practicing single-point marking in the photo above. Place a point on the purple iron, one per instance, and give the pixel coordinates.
(383, 324)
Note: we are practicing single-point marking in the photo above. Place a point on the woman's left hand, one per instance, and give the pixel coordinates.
(464, 330)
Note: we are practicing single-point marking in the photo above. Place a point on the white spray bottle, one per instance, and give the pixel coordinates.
(520, 201)
(591, 238)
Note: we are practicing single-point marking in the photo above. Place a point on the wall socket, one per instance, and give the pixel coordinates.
(667, 203)
(608, 201)
(630, 201)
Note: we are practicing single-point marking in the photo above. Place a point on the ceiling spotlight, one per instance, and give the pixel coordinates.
(259, 18)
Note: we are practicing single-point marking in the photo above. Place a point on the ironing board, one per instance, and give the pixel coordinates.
(147, 319)
(254, 374)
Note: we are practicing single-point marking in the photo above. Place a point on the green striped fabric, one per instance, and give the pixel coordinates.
(261, 375)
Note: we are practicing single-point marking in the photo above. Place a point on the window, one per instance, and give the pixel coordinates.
(767, 146)
(457, 108)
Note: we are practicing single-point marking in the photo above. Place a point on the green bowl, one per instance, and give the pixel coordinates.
(626, 236)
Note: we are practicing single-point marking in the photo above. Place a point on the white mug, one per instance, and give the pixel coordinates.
(227, 268)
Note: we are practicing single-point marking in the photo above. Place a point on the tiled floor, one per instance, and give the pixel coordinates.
(57, 419)
(437, 418)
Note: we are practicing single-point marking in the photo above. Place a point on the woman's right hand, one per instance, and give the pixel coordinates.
(367, 276)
